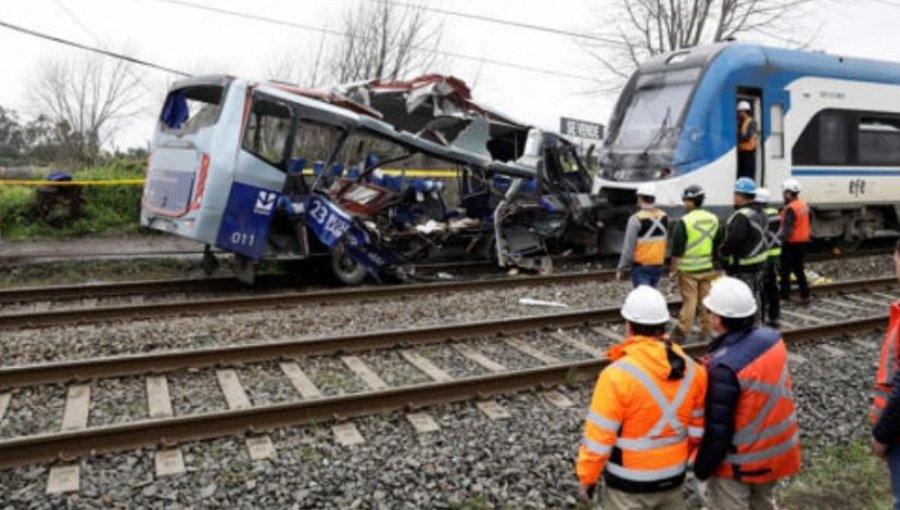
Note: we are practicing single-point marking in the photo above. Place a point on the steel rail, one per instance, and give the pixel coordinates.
(281, 300)
(165, 361)
(168, 432)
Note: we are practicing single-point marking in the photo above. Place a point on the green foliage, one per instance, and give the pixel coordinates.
(107, 210)
(839, 478)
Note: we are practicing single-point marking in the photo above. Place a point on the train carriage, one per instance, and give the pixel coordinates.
(831, 122)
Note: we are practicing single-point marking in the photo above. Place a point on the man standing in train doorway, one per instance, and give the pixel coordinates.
(748, 140)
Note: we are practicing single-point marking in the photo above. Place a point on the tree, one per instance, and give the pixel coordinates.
(383, 40)
(643, 28)
(87, 99)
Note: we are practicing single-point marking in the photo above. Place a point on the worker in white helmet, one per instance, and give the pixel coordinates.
(748, 140)
(795, 237)
(751, 439)
(646, 414)
(646, 237)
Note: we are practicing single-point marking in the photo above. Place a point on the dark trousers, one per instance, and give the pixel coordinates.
(646, 275)
(747, 164)
(753, 277)
(771, 305)
(792, 261)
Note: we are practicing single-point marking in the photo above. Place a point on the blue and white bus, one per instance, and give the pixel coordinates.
(831, 122)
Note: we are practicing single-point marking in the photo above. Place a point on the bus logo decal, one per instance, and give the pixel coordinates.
(265, 202)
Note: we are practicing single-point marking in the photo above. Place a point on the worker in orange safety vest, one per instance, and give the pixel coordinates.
(886, 404)
(751, 439)
(748, 140)
(646, 239)
(646, 415)
(795, 235)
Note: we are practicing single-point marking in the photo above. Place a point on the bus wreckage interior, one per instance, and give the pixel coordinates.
(379, 176)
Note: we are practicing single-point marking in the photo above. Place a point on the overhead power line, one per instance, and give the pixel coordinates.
(302, 26)
(94, 49)
(511, 23)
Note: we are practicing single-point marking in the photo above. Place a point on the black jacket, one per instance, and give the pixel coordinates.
(887, 428)
(741, 238)
(722, 393)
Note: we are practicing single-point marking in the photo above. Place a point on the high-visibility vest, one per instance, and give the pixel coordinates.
(700, 227)
(800, 234)
(888, 364)
(642, 427)
(773, 238)
(759, 252)
(650, 247)
(747, 145)
(766, 443)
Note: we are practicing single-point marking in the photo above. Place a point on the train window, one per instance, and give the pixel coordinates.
(267, 130)
(775, 145)
(879, 140)
(833, 139)
(315, 141)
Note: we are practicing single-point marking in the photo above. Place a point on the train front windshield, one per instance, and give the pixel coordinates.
(647, 123)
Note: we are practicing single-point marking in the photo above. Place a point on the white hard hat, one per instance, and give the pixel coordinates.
(763, 196)
(646, 305)
(647, 189)
(792, 185)
(744, 106)
(730, 298)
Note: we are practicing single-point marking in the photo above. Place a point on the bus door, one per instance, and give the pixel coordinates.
(750, 165)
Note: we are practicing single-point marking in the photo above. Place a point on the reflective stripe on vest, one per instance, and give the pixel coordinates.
(773, 237)
(653, 439)
(749, 145)
(887, 364)
(650, 247)
(759, 254)
(700, 227)
(753, 432)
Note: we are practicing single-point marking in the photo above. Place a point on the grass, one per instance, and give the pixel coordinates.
(107, 210)
(846, 477)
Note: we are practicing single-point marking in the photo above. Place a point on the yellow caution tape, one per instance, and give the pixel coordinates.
(94, 182)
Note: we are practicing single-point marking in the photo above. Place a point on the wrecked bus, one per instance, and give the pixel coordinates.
(267, 170)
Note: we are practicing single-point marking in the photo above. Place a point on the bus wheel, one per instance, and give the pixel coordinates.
(347, 270)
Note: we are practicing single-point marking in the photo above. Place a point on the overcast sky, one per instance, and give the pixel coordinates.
(205, 42)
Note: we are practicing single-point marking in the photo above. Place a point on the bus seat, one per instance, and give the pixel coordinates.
(296, 166)
(337, 170)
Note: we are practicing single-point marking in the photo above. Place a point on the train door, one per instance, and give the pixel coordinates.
(750, 164)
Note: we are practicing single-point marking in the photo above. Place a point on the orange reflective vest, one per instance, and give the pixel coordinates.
(800, 234)
(887, 365)
(642, 426)
(766, 443)
(746, 145)
(650, 246)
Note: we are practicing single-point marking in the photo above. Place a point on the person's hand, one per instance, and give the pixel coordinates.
(586, 492)
(879, 449)
(620, 275)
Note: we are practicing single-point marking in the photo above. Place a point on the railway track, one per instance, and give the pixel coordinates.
(41, 313)
(75, 292)
(561, 348)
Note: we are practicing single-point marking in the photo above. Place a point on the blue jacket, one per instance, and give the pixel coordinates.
(728, 355)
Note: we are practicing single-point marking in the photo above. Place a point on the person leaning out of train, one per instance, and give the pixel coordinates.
(744, 248)
(695, 239)
(646, 415)
(751, 439)
(646, 236)
(771, 304)
(748, 140)
(886, 405)
(795, 223)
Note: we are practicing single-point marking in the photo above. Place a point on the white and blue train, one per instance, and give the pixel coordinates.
(831, 122)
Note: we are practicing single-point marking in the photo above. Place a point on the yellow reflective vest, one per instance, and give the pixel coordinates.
(700, 227)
